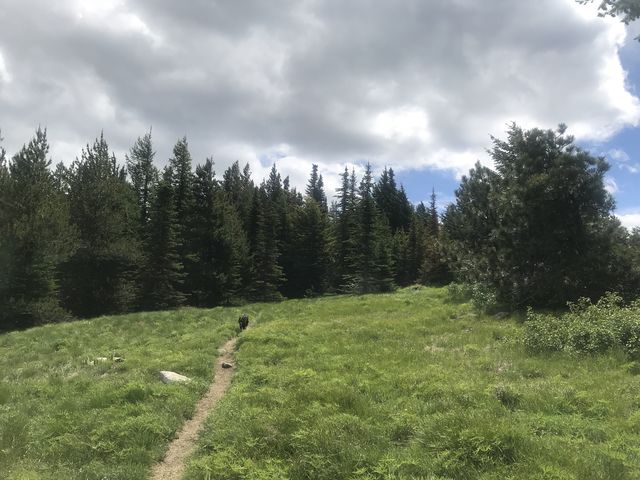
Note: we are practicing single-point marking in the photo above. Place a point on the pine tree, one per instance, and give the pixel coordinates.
(143, 174)
(433, 219)
(266, 275)
(283, 215)
(345, 233)
(310, 253)
(99, 277)
(391, 202)
(537, 231)
(218, 240)
(315, 188)
(180, 166)
(35, 237)
(163, 272)
(374, 271)
(238, 188)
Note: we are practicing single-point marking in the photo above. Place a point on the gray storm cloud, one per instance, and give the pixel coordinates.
(405, 83)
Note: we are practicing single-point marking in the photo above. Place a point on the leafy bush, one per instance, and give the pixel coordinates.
(481, 296)
(587, 328)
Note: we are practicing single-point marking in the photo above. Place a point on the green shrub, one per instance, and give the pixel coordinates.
(586, 328)
(544, 333)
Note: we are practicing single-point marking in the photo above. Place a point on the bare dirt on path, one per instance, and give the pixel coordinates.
(173, 465)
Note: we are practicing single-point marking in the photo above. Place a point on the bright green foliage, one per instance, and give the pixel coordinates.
(35, 236)
(538, 230)
(100, 276)
(587, 328)
(69, 411)
(408, 386)
(162, 275)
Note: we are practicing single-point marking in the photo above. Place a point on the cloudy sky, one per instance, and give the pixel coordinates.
(417, 85)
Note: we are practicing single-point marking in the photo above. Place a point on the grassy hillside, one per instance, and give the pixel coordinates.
(398, 386)
(63, 418)
(407, 386)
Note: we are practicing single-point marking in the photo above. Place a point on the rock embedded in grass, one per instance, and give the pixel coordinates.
(173, 377)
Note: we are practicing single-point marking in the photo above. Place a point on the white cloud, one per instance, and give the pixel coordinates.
(5, 77)
(623, 160)
(402, 124)
(337, 82)
(618, 155)
(610, 185)
(630, 220)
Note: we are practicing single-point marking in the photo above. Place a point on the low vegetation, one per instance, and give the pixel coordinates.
(408, 385)
(403, 385)
(68, 410)
(587, 328)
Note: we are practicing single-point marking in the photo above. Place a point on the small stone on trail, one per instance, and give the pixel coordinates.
(227, 365)
(118, 359)
(172, 377)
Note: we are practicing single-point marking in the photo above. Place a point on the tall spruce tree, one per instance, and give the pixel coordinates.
(392, 202)
(266, 275)
(310, 254)
(280, 207)
(374, 270)
(99, 277)
(238, 188)
(315, 188)
(143, 174)
(219, 243)
(180, 166)
(35, 237)
(163, 274)
(345, 233)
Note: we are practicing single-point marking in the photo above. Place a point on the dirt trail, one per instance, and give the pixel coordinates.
(173, 465)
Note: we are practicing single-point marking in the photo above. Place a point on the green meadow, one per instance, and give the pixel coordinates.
(406, 385)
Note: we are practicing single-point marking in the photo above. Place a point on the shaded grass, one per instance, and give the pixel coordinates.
(408, 386)
(62, 417)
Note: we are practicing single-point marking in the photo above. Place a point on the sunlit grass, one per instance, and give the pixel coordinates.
(408, 386)
(397, 386)
(62, 417)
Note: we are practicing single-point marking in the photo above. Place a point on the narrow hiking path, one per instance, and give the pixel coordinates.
(173, 465)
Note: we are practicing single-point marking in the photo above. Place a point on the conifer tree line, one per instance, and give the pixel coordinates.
(97, 237)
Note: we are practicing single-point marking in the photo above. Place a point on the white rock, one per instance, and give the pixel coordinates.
(101, 359)
(172, 377)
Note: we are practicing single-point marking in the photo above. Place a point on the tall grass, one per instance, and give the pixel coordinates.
(395, 386)
(408, 386)
(66, 415)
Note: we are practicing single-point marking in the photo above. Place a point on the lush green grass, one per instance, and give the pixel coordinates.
(404, 385)
(63, 418)
(408, 386)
